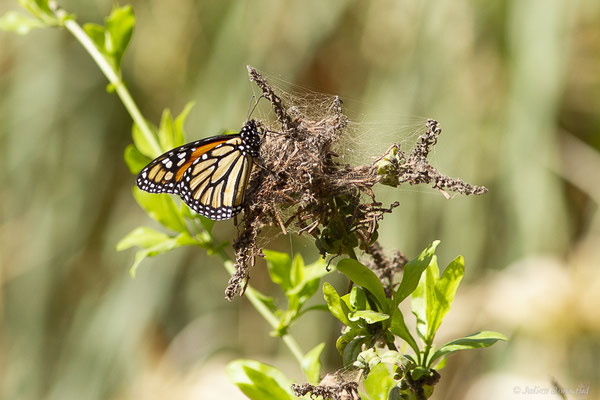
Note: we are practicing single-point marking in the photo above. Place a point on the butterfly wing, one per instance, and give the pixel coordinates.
(214, 184)
(164, 173)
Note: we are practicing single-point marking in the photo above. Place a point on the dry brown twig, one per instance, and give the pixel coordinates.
(303, 186)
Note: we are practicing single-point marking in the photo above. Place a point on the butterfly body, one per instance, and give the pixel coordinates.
(210, 175)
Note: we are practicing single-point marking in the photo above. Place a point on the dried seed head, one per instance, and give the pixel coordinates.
(302, 186)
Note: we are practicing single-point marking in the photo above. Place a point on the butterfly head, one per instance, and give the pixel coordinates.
(251, 137)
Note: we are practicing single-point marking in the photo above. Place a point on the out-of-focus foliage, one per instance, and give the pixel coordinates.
(514, 83)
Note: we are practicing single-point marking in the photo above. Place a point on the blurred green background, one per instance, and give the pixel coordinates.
(515, 85)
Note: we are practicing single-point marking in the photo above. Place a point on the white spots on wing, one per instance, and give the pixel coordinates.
(181, 162)
(181, 155)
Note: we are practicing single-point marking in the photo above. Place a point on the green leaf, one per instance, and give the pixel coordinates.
(357, 299)
(169, 244)
(363, 276)
(259, 381)
(352, 349)
(336, 305)
(418, 302)
(40, 10)
(398, 328)
(441, 296)
(142, 237)
(349, 336)
(297, 270)
(119, 26)
(310, 278)
(311, 365)
(142, 143)
(135, 160)
(441, 363)
(97, 34)
(474, 341)
(378, 383)
(419, 372)
(165, 131)
(279, 267)
(178, 131)
(316, 307)
(369, 316)
(412, 273)
(266, 300)
(162, 208)
(16, 22)
(286, 317)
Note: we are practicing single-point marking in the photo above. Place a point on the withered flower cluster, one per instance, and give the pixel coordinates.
(302, 186)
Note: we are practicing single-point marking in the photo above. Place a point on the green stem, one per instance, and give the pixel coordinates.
(113, 77)
(426, 354)
(253, 296)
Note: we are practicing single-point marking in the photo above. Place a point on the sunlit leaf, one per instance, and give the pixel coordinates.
(440, 363)
(119, 26)
(162, 208)
(412, 273)
(41, 10)
(178, 131)
(336, 305)
(18, 23)
(142, 142)
(363, 276)
(169, 244)
(259, 381)
(311, 364)
(378, 383)
(310, 279)
(474, 341)
(165, 131)
(398, 328)
(419, 372)
(279, 266)
(418, 303)
(349, 336)
(369, 316)
(98, 35)
(352, 349)
(135, 160)
(267, 301)
(357, 299)
(297, 270)
(142, 237)
(441, 295)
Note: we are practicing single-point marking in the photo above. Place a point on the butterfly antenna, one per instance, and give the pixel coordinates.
(251, 107)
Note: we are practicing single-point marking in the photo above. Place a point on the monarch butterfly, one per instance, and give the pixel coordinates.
(210, 175)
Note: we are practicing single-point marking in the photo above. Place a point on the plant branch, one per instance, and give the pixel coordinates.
(254, 297)
(428, 346)
(111, 74)
(113, 77)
